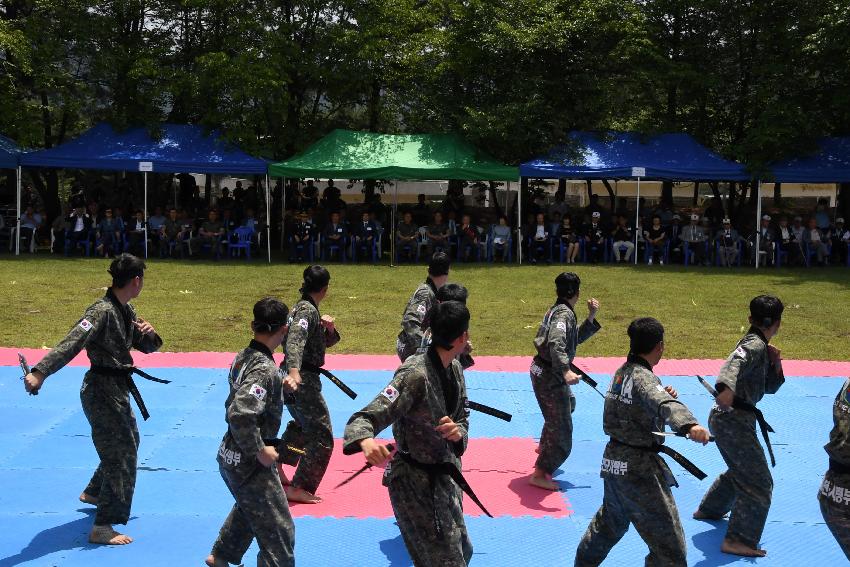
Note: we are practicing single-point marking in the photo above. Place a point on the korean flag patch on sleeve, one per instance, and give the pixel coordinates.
(390, 393)
(740, 353)
(85, 325)
(258, 392)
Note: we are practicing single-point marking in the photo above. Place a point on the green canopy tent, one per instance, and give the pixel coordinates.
(346, 154)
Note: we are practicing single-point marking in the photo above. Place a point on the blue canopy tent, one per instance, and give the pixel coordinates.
(179, 148)
(10, 155)
(830, 164)
(629, 155)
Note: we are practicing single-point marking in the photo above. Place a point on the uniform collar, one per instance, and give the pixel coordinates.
(757, 332)
(430, 284)
(260, 347)
(639, 360)
(307, 297)
(564, 302)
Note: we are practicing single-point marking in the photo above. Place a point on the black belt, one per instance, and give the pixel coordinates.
(838, 468)
(744, 405)
(127, 373)
(307, 367)
(675, 455)
(442, 469)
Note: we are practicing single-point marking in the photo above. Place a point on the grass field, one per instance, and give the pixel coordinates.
(206, 306)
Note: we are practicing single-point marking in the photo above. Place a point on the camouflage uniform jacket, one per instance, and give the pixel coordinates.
(749, 372)
(838, 447)
(107, 332)
(558, 337)
(415, 319)
(419, 395)
(637, 404)
(308, 338)
(253, 408)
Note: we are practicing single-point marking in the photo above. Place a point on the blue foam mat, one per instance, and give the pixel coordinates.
(46, 458)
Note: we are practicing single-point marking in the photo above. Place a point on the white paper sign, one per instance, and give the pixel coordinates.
(145, 166)
(638, 172)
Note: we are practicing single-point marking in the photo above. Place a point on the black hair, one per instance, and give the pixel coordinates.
(439, 264)
(644, 334)
(567, 284)
(316, 278)
(270, 315)
(124, 268)
(766, 310)
(449, 320)
(452, 292)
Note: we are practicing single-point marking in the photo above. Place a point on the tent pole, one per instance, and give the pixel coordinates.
(518, 238)
(18, 217)
(638, 228)
(393, 226)
(268, 218)
(758, 226)
(145, 225)
(282, 212)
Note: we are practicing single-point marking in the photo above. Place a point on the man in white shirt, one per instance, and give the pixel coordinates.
(816, 242)
(30, 222)
(695, 237)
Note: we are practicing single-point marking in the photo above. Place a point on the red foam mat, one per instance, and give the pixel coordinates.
(497, 470)
(600, 365)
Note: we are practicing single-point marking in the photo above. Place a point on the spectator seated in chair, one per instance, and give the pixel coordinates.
(840, 239)
(501, 238)
(540, 246)
(568, 237)
(623, 237)
(595, 238)
(365, 232)
(30, 223)
(727, 244)
(695, 236)
(79, 228)
(437, 234)
(467, 238)
(136, 235)
(109, 234)
(209, 235)
(405, 239)
(655, 237)
(814, 240)
(767, 242)
(674, 239)
(155, 223)
(333, 237)
(169, 234)
(301, 241)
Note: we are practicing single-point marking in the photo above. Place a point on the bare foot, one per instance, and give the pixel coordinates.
(738, 548)
(542, 480)
(88, 499)
(295, 494)
(700, 515)
(105, 535)
(213, 561)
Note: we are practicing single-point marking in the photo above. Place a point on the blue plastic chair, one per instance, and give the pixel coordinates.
(329, 247)
(244, 236)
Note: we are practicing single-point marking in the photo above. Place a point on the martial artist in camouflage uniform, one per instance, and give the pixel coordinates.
(415, 320)
(253, 412)
(108, 330)
(556, 342)
(309, 335)
(450, 292)
(637, 480)
(834, 494)
(424, 403)
(751, 371)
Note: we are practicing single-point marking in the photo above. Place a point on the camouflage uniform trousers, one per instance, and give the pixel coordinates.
(261, 511)
(309, 410)
(646, 502)
(557, 405)
(746, 487)
(116, 439)
(414, 505)
(835, 508)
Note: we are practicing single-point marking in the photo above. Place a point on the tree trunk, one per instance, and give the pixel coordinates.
(611, 195)
(667, 193)
(695, 200)
(562, 188)
(491, 187)
(732, 196)
(843, 204)
(777, 195)
(589, 189)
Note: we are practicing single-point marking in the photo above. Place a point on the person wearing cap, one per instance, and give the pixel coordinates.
(636, 480)
(108, 329)
(414, 320)
(253, 412)
(814, 240)
(302, 238)
(695, 237)
(310, 333)
(840, 237)
(766, 238)
(424, 404)
(727, 244)
(744, 491)
(674, 237)
(595, 238)
(555, 344)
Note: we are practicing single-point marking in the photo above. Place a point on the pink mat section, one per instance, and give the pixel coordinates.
(497, 470)
(599, 365)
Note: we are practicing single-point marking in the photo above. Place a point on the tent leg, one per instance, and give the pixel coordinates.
(18, 217)
(637, 220)
(282, 213)
(519, 222)
(757, 251)
(392, 225)
(268, 219)
(145, 225)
